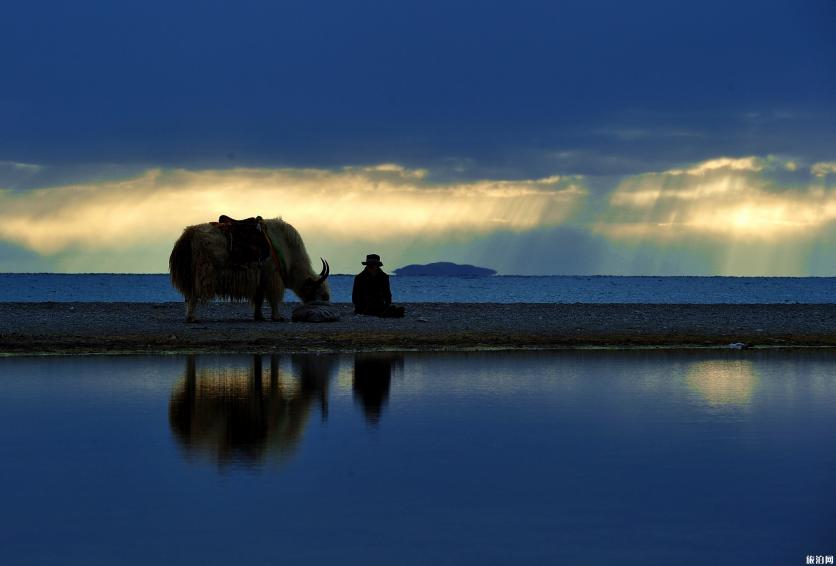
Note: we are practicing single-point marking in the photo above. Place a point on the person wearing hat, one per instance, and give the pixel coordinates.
(371, 293)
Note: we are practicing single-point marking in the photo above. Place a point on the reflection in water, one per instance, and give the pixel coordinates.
(237, 414)
(647, 457)
(372, 377)
(723, 382)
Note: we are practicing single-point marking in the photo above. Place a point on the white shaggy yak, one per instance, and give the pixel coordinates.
(202, 268)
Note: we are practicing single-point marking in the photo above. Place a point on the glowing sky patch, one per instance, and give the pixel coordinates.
(750, 215)
(374, 204)
(731, 198)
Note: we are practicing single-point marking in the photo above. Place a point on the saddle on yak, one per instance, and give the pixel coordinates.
(246, 240)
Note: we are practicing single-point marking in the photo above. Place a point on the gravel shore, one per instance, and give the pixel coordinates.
(56, 328)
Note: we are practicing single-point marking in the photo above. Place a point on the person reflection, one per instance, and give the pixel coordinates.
(372, 378)
(240, 415)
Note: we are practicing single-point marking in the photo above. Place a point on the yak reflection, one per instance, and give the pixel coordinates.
(241, 415)
(372, 379)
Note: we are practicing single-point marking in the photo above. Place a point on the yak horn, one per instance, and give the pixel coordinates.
(326, 270)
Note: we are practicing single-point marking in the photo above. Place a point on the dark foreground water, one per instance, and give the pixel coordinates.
(156, 288)
(593, 457)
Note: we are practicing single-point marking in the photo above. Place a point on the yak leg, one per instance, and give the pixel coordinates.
(274, 297)
(191, 305)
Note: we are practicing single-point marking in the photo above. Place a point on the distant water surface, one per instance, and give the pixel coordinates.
(505, 289)
(485, 458)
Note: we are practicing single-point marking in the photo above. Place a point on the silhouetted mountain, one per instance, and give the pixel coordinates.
(445, 268)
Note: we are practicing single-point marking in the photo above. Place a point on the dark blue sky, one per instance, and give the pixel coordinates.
(513, 88)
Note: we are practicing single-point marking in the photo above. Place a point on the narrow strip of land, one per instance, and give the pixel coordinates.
(143, 327)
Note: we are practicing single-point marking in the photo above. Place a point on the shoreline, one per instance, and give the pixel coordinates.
(95, 328)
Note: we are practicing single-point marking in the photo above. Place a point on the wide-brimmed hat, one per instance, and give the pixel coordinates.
(372, 259)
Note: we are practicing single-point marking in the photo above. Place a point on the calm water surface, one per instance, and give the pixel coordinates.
(590, 457)
(116, 287)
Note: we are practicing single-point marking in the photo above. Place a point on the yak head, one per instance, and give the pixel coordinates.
(316, 289)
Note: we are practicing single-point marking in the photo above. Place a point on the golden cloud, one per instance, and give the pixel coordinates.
(722, 163)
(374, 202)
(750, 215)
(722, 197)
(823, 168)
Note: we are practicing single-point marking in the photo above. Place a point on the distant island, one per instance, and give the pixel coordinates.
(445, 268)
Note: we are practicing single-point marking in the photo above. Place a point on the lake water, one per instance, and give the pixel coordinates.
(592, 457)
(27, 287)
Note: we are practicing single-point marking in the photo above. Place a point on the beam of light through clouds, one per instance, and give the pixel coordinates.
(735, 198)
(364, 204)
(759, 215)
(748, 215)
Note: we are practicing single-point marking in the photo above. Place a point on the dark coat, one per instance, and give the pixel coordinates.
(371, 293)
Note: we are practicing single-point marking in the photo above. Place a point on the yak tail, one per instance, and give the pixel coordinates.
(180, 264)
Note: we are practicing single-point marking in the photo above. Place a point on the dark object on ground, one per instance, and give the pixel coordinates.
(446, 269)
(245, 240)
(316, 311)
(372, 295)
(386, 311)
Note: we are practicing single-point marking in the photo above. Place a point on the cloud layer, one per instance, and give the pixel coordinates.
(755, 199)
(747, 215)
(331, 208)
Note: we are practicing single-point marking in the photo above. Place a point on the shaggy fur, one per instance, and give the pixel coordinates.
(201, 270)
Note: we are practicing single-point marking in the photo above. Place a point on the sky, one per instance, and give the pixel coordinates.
(608, 137)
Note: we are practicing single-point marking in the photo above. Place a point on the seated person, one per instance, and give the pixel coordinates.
(371, 294)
